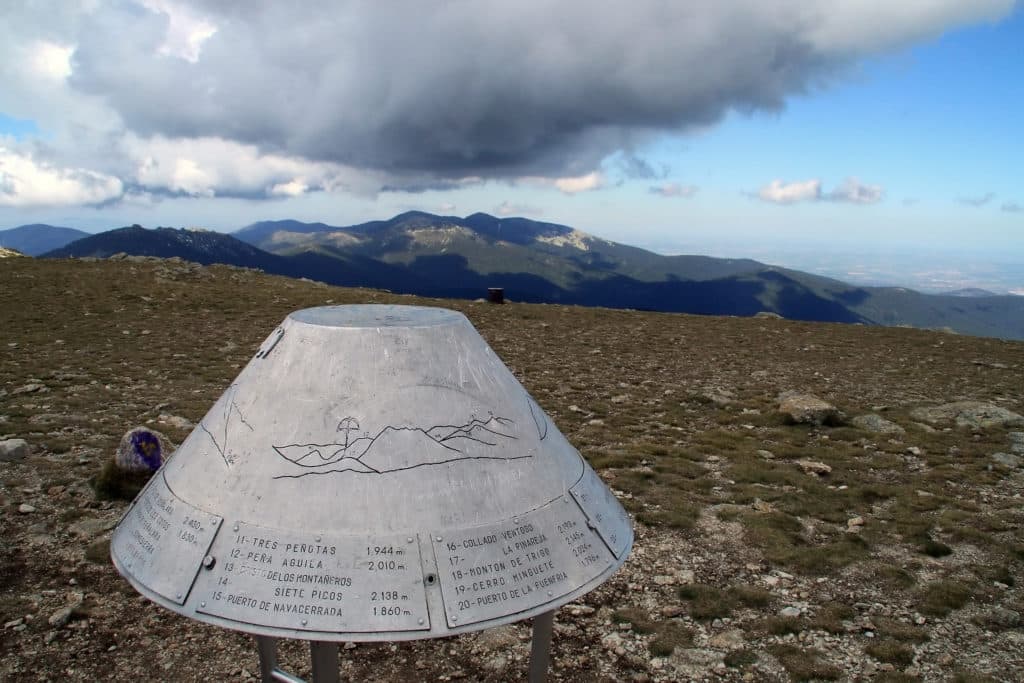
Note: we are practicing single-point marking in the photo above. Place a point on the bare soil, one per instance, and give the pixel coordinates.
(904, 562)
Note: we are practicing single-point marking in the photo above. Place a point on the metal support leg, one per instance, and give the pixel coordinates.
(325, 662)
(267, 647)
(540, 648)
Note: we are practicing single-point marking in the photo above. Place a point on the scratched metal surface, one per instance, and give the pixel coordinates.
(371, 427)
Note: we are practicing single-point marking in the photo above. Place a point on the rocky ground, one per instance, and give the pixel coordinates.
(811, 502)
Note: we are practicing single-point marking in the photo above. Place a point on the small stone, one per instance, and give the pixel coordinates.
(813, 467)
(12, 450)
(14, 622)
(789, 612)
(61, 617)
(914, 450)
(175, 421)
(727, 640)
(800, 408)
(596, 422)
(579, 610)
(767, 455)
(29, 388)
(761, 506)
(1010, 460)
(1001, 617)
(973, 414)
(142, 450)
(855, 522)
(877, 424)
(664, 580)
(670, 611)
(26, 509)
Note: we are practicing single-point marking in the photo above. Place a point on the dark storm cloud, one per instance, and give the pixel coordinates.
(488, 88)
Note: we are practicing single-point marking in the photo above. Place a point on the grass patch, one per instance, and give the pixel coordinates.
(898, 630)
(751, 596)
(113, 483)
(670, 636)
(705, 602)
(831, 616)
(737, 659)
(804, 664)
(892, 651)
(781, 626)
(939, 598)
(636, 618)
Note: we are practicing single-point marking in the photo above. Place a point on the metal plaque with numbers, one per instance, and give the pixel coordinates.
(495, 570)
(312, 582)
(162, 540)
(604, 511)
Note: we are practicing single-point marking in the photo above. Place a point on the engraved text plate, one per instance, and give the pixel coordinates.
(312, 582)
(162, 541)
(494, 570)
(604, 511)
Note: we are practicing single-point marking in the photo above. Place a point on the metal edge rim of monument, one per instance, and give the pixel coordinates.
(440, 631)
(434, 315)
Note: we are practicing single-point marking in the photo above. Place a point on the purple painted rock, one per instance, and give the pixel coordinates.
(142, 450)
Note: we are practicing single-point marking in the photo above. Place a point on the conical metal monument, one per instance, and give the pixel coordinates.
(375, 473)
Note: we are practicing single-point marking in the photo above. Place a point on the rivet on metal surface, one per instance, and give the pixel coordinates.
(209, 561)
(202, 604)
(318, 538)
(550, 594)
(438, 539)
(235, 527)
(409, 539)
(179, 596)
(420, 621)
(304, 622)
(455, 620)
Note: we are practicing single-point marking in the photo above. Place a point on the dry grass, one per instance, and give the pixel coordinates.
(116, 344)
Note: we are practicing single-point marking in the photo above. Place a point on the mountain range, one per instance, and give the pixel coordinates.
(449, 256)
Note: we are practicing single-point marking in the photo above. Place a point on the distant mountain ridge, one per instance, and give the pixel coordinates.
(448, 256)
(38, 238)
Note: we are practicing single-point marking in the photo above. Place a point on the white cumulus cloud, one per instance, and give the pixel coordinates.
(27, 182)
(780, 192)
(583, 183)
(851, 190)
(856, 192)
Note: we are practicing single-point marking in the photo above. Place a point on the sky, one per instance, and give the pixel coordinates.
(839, 131)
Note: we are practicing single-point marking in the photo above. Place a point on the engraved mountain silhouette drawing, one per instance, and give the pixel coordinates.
(393, 449)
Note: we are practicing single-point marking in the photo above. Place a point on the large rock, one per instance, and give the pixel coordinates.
(800, 408)
(142, 450)
(1017, 442)
(877, 424)
(13, 449)
(974, 414)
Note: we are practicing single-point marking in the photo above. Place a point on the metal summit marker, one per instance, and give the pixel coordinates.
(375, 473)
